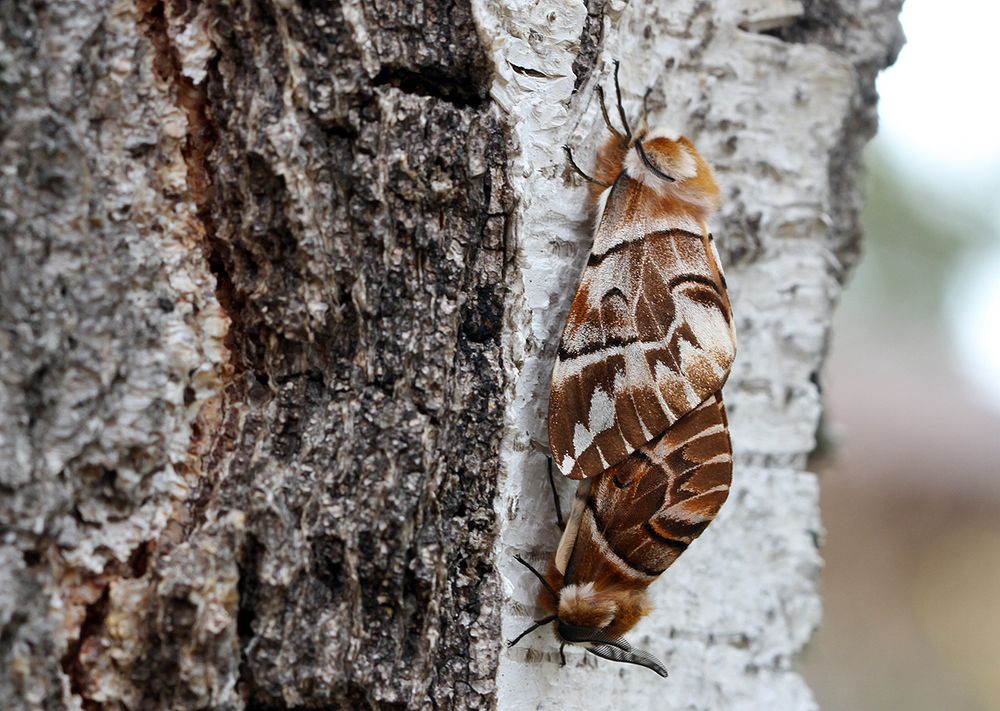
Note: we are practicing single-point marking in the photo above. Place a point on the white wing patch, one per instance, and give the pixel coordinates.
(582, 437)
(602, 412)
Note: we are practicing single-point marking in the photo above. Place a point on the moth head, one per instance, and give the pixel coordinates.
(581, 605)
(669, 163)
(595, 620)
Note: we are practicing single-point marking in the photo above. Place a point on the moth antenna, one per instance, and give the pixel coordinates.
(607, 119)
(610, 647)
(589, 179)
(621, 108)
(541, 578)
(629, 656)
(535, 626)
(649, 163)
(555, 498)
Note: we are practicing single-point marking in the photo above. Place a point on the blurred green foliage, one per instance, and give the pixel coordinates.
(917, 229)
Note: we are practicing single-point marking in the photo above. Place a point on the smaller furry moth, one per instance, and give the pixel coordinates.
(636, 407)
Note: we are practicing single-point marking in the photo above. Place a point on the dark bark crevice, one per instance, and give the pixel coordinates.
(835, 26)
(590, 42)
(90, 629)
(431, 84)
(199, 144)
(379, 387)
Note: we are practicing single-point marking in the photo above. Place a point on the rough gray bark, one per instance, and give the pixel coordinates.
(252, 289)
(259, 268)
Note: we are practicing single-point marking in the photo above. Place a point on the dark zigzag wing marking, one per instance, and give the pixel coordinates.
(695, 495)
(593, 559)
(712, 295)
(632, 561)
(671, 351)
(635, 505)
(596, 259)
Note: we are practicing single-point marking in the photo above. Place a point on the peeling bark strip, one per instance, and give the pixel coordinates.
(251, 307)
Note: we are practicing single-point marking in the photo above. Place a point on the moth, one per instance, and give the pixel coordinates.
(636, 409)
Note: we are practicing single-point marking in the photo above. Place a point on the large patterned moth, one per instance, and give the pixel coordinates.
(636, 407)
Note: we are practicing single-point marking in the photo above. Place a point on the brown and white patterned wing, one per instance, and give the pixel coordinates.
(641, 515)
(649, 336)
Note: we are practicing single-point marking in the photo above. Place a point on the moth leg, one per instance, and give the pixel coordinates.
(621, 107)
(555, 499)
(535, 626)
(578, 169)
(607, 121)
(541, 578)
(562, 655)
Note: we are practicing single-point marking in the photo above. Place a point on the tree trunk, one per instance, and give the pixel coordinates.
(281, 285)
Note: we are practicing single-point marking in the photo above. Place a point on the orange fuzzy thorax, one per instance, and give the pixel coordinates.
(608, 165)
(609, 601)
(694, 192)
(615, 610)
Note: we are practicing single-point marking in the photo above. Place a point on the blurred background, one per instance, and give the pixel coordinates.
(910, 449)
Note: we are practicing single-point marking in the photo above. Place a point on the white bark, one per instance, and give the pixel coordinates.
(783, 123)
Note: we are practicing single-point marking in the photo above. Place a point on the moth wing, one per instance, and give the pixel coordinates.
(649, 336)
(645, 512)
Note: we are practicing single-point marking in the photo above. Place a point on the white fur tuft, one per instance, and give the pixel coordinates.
(575, 600)
(637, 170)
(667, 132)
(634, 167)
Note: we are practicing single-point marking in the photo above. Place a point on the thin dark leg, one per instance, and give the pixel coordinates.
(538, 623)
(555, 498)
(604, 113)
(562, 656)
(621, 108)
(578, 169)
(541, 578)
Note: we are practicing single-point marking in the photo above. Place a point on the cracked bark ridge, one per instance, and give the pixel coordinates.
(359, 213)
(252, 296)
(590, 41)
(834, 25)
(110, 330)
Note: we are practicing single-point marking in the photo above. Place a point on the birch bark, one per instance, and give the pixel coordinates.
(280, 284)
(779, 96)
